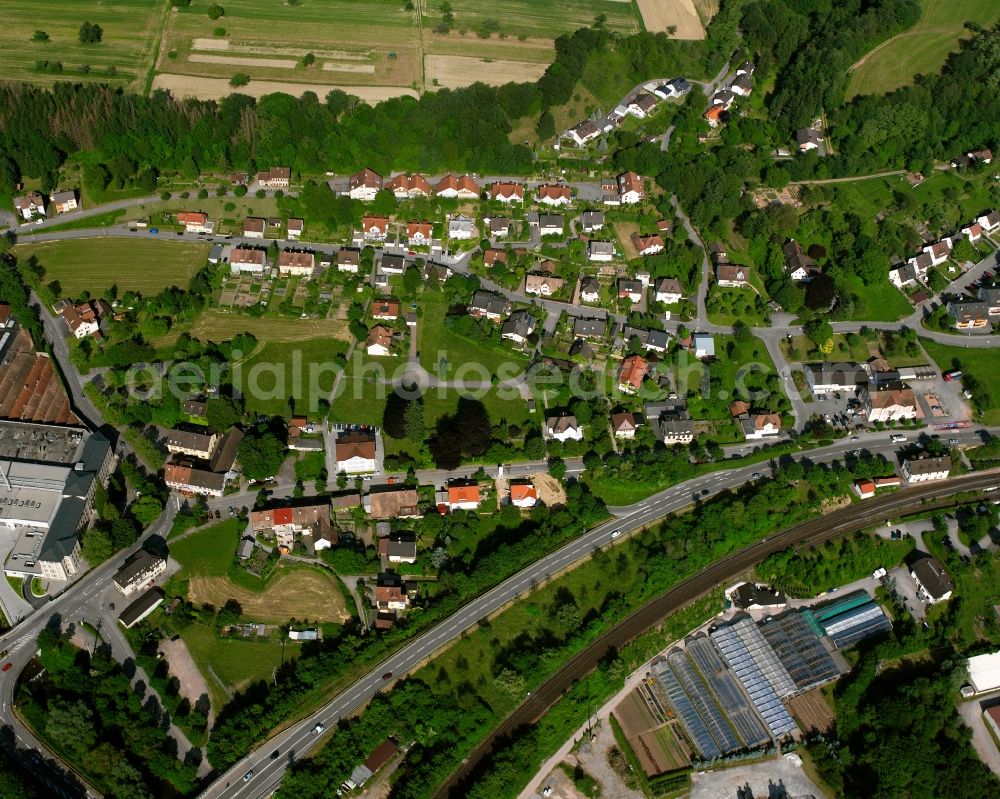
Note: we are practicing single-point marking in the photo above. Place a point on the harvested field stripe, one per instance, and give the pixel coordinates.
(276, 63)
(217, 88)
(366, 69)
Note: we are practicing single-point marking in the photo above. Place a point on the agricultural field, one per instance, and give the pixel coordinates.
(453, 71)
(530, 19)
(123, 57)
(143, 265)
(923, 48)
(661, 15)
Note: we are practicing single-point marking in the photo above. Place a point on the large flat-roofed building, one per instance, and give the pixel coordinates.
(48, 504)
(984, 672)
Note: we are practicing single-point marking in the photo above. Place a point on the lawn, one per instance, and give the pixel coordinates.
(208, 552)
(726, 306)
(229, 665)
(277, 372)
(443, 353)
(801, 349)
(124, 56)
(981, 364)
(923, 48)
(144, 265)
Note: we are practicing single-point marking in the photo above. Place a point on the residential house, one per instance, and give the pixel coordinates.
(549, 224)
(385, 310)
(713, 116)
(670, 421)
(296, 264)
(989, 222)
(392, 502)
(419, 233)
(489, 305)
(642, 105)
(970, 315)
(893, 403)
(677, 87)
(991, 296)
(243, 260)
(669, 290)
(295, 228)
(438, 272)
(375, 228)
(523, 495)
(985, 156)
(757, 426)
(589, 328)
(507, 192)
(644, 277)
(732, 275)
(65, 201)
(798, 266)
(355, 452)
(554, 194)
(84, 319)
(973, 232)
(624, 424)
(590, 290)
(30, 205)
(544, 285)
(498, 226)
(829, 378)
(904, 276)
(518, 327)
(724, 99)
(390, 592)
(278, 177)
(742, 85)
(139, 571)
(364, 185)
(286, 522)
(939, 252)
(493, 256)
(462, 188)
(253, 227)
(463, 495)
(189, 479)
(704, 345)
(718, 253)
(195, 222)
(398, 548)
(348, 260)
(631, 373)
(591, 221)
(379, 341)
(647, 245)
(563, 428)
(933, 582)
(603, 251)
(409, 186)
(461, 228)
(584, 132)
(746, 68)
(925, 467)
(921, 263)
(631, 290)
(193, 440)
(631, 189)
(392, 264)
(808, 139)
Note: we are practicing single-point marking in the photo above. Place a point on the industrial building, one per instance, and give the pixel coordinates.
(984, 672)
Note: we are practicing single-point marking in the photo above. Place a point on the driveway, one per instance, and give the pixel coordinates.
(982, 740)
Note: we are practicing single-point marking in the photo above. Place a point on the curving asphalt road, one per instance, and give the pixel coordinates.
(299, 739)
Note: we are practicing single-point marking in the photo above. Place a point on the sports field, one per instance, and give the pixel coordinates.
(923, 48)
(144, 265)
(124, 55)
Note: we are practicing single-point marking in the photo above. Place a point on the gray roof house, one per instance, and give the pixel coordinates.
(518, 327)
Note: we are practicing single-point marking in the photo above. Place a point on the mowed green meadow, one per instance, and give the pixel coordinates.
(922, 49)
(535, 18)
(131, 33)
(144, 265)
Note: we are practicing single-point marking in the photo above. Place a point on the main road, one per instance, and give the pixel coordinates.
(299, 739)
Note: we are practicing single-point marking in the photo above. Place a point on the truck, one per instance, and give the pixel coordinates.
(954, 374)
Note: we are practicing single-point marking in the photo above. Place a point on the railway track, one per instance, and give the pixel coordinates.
(907, 501)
